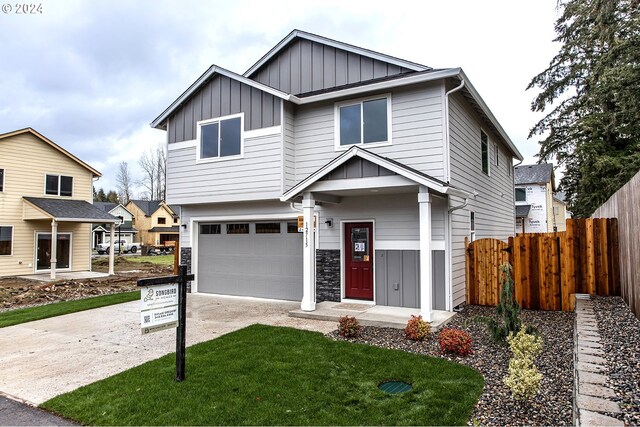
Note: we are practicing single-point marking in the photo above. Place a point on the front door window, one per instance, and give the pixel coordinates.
(360, 244)
(63, 255)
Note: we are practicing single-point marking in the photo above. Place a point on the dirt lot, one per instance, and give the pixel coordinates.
(17, 292)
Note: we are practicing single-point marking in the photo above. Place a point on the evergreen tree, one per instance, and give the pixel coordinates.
(99, 196)
(112, 197)
(593, 84)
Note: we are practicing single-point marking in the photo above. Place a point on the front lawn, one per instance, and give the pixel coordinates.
(264, 375)
(14, 317)
(154, 259)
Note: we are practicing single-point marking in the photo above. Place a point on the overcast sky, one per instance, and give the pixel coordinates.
(92, 75)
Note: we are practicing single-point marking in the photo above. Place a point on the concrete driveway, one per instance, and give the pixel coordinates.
(42, 359)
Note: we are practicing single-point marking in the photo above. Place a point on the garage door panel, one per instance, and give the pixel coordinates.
(258, 265)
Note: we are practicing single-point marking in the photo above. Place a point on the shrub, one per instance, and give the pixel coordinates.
(523, 378)
(455, 341)
(508, 309)
(417, 329)
(348, 327)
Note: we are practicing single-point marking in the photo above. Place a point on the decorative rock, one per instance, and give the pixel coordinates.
(597, 404)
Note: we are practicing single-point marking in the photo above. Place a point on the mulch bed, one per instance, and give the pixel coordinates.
(552, 405)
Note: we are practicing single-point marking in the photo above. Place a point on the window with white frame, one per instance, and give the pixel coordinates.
(1, 180)
(6, 239)
(58, 185)
(497, 153)
(365, 121)
(221, 137)
(472, 219)
(484, 146)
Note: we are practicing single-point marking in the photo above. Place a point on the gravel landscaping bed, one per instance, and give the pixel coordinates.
(620, 337)
(552, 406)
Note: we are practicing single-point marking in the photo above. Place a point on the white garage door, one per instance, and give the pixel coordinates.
(260, 259)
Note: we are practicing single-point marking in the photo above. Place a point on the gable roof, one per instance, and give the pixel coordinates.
(533, 174)
(147, 206)
(52, 144)
(160, 121)
(105, 206)
(387, 163)
(333, 43)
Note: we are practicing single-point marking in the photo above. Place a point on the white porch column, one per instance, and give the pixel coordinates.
(309, 255)
(426, 282)
(54, 248)
(112, 237)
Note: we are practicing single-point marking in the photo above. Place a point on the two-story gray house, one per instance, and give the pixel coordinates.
(331, 172)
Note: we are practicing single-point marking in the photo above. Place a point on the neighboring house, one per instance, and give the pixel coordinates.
(332, 172)
(156, 221)
(124, 230)
(560, 212)
(45, 206)
(534, 200)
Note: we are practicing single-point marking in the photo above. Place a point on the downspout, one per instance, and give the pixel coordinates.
(446, 130)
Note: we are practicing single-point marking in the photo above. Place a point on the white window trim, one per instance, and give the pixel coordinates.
(488, 173)
(35, 252)
(12, 238)
(218, 120)
(59, 175)
(496, 154)
(2, 179)
(472, 226)
(336, 115)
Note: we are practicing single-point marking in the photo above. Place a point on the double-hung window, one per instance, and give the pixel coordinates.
(6, 239)
(220, 138)
(365, 121)
(1, 180)
(484, 146)
(58, 185)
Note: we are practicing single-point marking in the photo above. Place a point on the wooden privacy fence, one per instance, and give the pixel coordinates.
(547, 267)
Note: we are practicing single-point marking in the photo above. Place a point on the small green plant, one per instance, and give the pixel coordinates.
(348, 327)
(508, 309)
(417, 329)
(523, 378)
(455, 341)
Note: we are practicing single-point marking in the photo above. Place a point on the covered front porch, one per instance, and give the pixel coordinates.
(54, 248)
(376, 218)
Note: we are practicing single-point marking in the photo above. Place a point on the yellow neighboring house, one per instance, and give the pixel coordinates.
(156, 221)
(46, 208)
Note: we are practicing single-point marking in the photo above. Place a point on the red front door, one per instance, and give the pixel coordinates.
(359, 260)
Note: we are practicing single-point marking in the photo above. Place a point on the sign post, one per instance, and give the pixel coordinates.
(164, 305)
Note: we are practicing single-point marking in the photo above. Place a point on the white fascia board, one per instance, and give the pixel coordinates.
(472, 90)
(88, 220)
(121, 206)
(361, 183)
(388, 84)
(336, 44)
(214, 69)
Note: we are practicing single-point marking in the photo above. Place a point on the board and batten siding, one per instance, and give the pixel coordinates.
(26, 160)
(396, 216)
(306, 66)
(494, 204)
(417, 133)
(219, 97)
(257, 175)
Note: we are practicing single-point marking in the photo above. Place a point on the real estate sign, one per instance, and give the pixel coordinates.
(159, 307)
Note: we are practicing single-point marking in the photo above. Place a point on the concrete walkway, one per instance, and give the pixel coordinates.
(46, 277)
(592, 397)
(370, 315)
(45, 358)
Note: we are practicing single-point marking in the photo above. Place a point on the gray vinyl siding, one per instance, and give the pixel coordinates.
(288, 133)
(396, 218)
(255, 176)
(222, 96)
(494, 204)
(417, 133)
(306, 66)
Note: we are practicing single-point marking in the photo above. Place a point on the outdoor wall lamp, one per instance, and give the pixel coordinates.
(329, 222)
(184, 226)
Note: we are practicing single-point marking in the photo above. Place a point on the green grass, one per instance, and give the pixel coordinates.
(264, 375)
(157, 259)
(14, 317)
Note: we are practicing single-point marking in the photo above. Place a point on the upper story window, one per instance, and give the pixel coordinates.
(162, 220)
(220, 138)
(6, 239)
(1, 180)
(496, 154)
(521, 194)
(484, 145)
(365, 121)
(58, 185)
